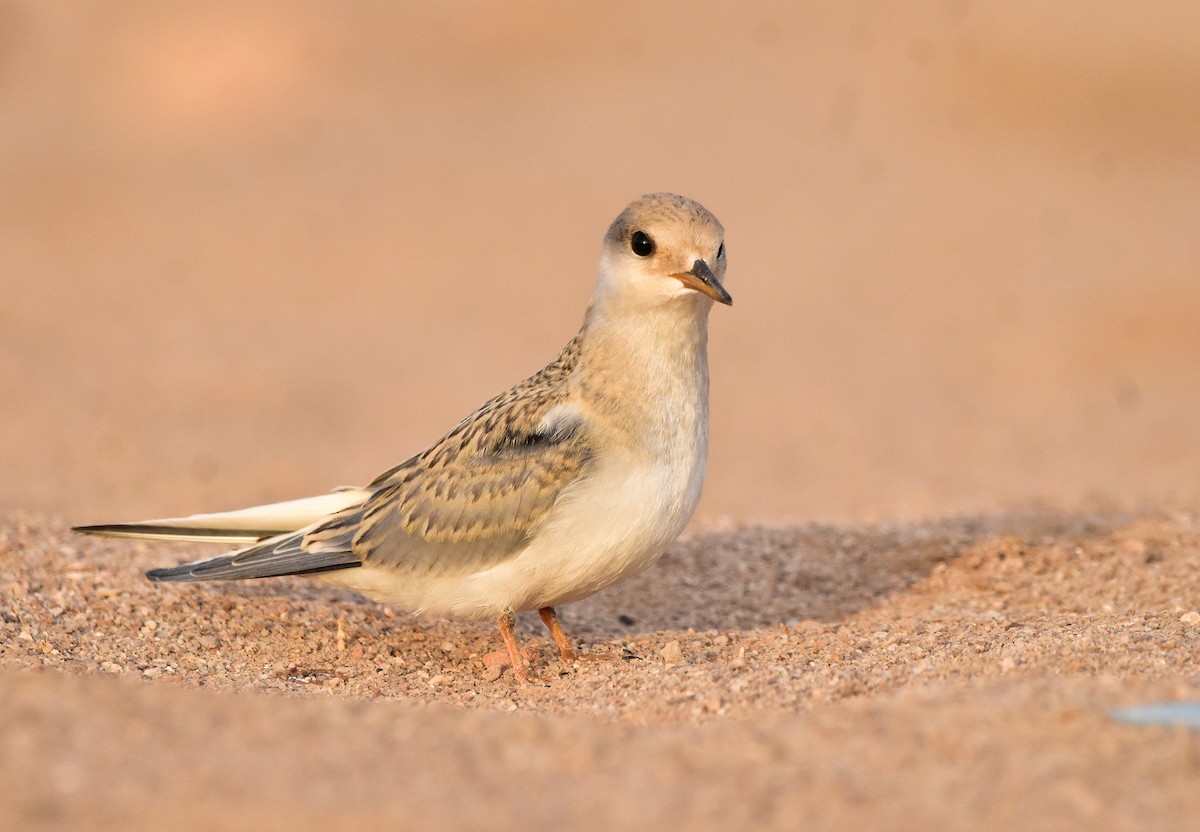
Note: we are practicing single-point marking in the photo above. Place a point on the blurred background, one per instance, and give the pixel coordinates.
(253, 251)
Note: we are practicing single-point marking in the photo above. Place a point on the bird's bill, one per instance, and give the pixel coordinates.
(705, 282)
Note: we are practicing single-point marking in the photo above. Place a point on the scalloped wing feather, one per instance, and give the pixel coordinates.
(475, 498)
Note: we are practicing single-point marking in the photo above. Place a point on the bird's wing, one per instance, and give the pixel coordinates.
(471, 501)
(476, 497)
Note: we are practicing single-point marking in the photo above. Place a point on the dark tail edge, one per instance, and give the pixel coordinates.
(202, 572)
(141, 529)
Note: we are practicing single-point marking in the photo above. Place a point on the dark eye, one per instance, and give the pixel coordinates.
(641, 244)
(721, 251)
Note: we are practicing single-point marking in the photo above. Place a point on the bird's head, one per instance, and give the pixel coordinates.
(664, 248)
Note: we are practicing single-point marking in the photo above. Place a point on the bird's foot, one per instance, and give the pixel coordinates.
(496, 661)
(516, 658)
(565, 649)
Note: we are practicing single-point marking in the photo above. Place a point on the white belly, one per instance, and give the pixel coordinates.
(614, 525)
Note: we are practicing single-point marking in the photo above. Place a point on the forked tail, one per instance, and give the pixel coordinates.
(272, 536)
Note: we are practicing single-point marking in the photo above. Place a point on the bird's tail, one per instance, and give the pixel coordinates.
(276, 556)
(247, 525)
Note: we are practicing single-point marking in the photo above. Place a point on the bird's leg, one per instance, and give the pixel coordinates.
(565, 648)
(508, 623)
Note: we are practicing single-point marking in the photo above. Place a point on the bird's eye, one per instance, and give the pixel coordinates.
(641, 244)
(721, 251)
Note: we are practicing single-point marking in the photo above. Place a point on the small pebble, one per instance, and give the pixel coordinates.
(671, 652)
(1134, 547)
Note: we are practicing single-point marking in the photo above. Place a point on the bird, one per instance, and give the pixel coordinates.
(573, 479)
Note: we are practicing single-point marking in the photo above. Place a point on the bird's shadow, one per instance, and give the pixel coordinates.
(768, 576)
(761, 577)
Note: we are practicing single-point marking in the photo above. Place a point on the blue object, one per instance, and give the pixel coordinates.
(1186, 714)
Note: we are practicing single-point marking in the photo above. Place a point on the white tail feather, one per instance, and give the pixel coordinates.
(245, 525)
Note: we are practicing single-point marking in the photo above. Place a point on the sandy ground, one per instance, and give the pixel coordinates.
(952, 674)
(251, 253)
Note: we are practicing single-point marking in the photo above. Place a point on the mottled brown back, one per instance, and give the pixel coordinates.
(474, 498)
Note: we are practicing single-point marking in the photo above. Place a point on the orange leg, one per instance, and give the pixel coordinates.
(565, 648)
(508, 623)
